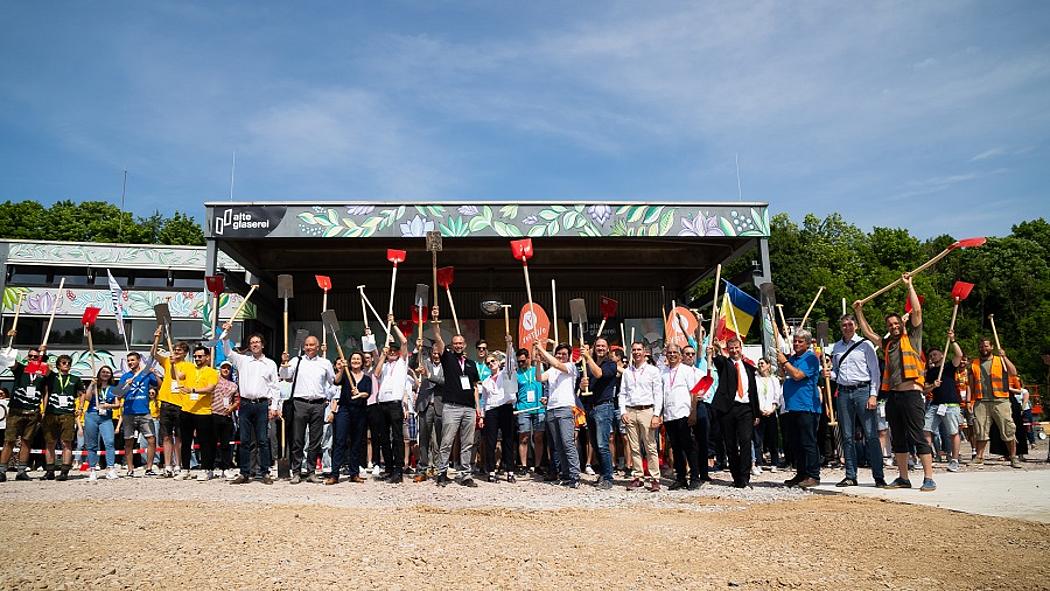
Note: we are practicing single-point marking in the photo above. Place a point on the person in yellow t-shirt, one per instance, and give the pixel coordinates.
(175, 367)
(195, 414)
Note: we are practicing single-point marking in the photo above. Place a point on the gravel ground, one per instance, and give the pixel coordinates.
(160, 534)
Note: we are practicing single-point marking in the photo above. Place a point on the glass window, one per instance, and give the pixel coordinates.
(190, 281)
(30, 331)
(66, 331)
(105, 332)
(26, 275)
(150, 278)
(182, 330)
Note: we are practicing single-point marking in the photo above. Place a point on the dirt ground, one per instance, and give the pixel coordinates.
(813, 542)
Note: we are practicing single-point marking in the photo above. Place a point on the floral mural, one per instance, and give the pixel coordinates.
(118, 256)
(536, 220)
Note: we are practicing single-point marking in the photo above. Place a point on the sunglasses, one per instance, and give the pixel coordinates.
(32, 356)
(689, 353)
(199, 356)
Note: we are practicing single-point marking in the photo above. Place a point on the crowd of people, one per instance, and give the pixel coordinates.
(428, 411)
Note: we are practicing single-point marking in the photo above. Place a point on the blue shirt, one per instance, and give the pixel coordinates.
(136, 391)
(803, 395)
(527, 382)
(107, 395)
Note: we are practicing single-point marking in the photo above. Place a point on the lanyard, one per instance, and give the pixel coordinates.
(673, 374)
(63, 385)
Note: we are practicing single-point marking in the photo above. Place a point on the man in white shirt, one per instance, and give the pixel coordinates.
(392, 374)
(561, 423)
(260, 402)
(679, 414)
(641, 403)
(311, 376)
(855, 370)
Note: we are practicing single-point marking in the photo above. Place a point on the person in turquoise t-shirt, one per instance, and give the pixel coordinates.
(530, 412)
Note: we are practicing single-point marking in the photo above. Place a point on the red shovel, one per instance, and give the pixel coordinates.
(325, 283)
(705, 383)
(608, 307)
(445, 275)
(964, 243)
(394, 256)
(522, 250)
(960, 291)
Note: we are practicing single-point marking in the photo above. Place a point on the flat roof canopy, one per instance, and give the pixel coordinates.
(628, 249)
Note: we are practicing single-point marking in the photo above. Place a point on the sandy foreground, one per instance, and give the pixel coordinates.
(154, 534)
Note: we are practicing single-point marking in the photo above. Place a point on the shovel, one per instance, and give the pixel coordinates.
(707, 381)
(395, 257)
(284, 467)
(960, 291)
(822, 341)
(285, 292)
(444, 279)
(331, 324)
(578, 313)
(325, 283)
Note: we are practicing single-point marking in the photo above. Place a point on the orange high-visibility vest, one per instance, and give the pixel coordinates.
(913, 366)
(1000, 385)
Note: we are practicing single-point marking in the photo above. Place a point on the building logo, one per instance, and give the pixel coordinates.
(246, 221)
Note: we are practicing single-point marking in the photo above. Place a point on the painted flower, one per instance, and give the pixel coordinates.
(40, 303)
(468, 210)
(360, 209)
(742, 223)
(530, 220)
(417, 228)
(600, 214)
(701, 225)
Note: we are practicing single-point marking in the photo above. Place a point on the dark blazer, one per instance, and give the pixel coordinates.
(727, 381)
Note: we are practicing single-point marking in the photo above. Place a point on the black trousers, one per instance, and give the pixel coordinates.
(766, 439)
(201, 428)
(312, 414)
(716, 438)
(223, 435)
(684, 450)
(906, 413)
(392, 435)
(374, 415)
(500, 420)
(738, 424)
(802, 427)
(702, 436)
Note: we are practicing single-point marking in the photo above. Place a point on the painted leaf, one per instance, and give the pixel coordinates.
(548, 214)
(504, 229)
(569, 219)
(477, 223)
(727, 226)
(637, 212)
(652, 214)
(666, 221)
(308, 218)
(509, 211)
(536, 230)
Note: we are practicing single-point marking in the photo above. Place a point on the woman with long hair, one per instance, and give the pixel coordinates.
(767, 432)
(350, 412)
(100, 398)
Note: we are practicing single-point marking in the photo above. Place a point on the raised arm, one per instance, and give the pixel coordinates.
(551, 360)
(865, 328)
(439, 343)
(913, 298)
(594, 368)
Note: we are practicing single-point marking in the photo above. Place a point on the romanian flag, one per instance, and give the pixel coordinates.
(737, 312)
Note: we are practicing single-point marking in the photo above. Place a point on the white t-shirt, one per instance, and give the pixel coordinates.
(769, 389)
(678, 400)
(562, 387)
(394, 381)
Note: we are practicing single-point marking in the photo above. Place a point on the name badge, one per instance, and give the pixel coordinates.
(942, 409)
(464, 382)
(63, 400)
(102, 411)
(882, 410)
(530, 396)
(174, 385)
(31, 391)
(194, 397)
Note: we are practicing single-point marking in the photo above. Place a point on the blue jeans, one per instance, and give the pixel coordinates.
(254, 423)
(349, 426)
(851, 405)
(562, 427)
(95, 425)
(600, 424)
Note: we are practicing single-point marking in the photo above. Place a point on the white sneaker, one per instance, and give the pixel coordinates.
(111, 474)
(362, 472)
(205, 475)
(376, 470)
(773, 469)
(756, 471)
(588, 470)
(169, 472)
(92, 477)
(183, 475)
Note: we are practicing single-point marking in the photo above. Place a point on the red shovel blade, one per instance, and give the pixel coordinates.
(324, 282)
(415, 315)
(445, 275)
(35, 367)
(608, 307)
(961, 290)
(970, 242)
(907, 303)
(701, 387)
(521, 249)
(216, 284)
(90, 315)
(395, 256)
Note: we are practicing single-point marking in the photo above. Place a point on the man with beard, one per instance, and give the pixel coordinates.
(600, 377)
(461, 410)
(989, 382)
(904, 377)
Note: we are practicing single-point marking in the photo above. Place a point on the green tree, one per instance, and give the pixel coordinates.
(95, 221)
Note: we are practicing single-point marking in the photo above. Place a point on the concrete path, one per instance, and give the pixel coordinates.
(1019, 494)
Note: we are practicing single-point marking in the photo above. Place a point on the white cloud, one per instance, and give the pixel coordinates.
(991, 153)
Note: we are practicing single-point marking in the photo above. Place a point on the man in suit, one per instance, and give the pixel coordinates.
(736, 401)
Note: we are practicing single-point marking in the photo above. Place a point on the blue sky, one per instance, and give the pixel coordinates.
(927, 115)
